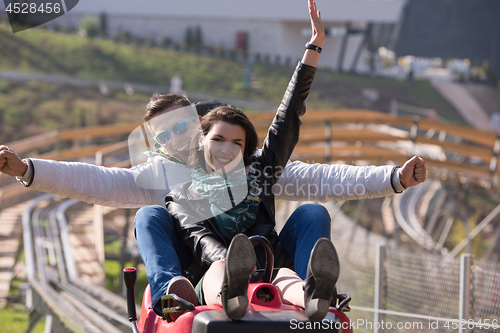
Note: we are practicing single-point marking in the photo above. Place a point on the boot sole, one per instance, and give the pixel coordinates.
(325, 267)
(240, 264)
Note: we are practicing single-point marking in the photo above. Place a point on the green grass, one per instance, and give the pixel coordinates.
(37, 50)
(114, 274)
(15, 320)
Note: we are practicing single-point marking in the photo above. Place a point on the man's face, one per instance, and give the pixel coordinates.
(173, 128)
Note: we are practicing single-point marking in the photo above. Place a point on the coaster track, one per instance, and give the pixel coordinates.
(68, 303)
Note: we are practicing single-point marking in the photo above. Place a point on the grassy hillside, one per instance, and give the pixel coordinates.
(42, 51)
(37, 107)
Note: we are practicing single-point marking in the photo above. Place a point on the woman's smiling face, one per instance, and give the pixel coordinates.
(223, 144)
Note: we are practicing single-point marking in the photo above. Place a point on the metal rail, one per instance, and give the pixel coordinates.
(57, 293)
(405, 206)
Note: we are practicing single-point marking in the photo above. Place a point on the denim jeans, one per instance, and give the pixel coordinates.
(304, 227)
(161, 250)
(165, 256)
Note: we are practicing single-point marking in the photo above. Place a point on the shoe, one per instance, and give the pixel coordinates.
(240, 264)
(182, 288)
(322, 274)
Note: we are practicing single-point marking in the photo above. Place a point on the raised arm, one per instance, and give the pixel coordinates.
(317, 37)
(283, 133)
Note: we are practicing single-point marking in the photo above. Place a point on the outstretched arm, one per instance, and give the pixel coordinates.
(322, 182)
(10, 163)
(114, 187)
(318, 35)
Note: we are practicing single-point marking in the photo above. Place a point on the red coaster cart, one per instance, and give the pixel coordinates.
(265, 312)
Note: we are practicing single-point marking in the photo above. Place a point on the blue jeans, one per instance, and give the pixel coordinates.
(304, 227)
(165, 256)
(162, 251)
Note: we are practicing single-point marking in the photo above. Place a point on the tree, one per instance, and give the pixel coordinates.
(90, 27)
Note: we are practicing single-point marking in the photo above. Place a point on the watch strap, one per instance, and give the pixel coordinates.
(310, 46)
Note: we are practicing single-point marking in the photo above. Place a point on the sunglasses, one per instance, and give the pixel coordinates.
(179, 128)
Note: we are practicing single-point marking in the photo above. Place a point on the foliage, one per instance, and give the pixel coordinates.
(90, 27)
(15, 320)
(492, 77)
(103, 21)
(114, 274)
(189, 39)
(198, 36)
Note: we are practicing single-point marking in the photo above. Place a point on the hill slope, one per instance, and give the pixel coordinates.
(37, 50)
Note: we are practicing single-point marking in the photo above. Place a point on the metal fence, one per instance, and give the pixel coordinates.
(418, 292)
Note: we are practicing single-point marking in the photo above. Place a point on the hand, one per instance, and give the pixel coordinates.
(318, 30)
(413, 172)
(10, 163)
(318, 35)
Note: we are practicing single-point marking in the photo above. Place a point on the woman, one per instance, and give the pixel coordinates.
(209, 219)
(210, 211)
(209, 215)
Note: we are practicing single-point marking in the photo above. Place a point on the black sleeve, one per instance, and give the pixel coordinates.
(283, 134)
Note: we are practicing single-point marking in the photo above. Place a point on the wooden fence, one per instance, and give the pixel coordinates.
(349, 136)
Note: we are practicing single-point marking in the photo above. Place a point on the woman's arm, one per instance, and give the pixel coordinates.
(194, 225)
(318, 35)
(283, 134)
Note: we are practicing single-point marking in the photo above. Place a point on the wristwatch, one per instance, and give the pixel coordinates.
(309, 46)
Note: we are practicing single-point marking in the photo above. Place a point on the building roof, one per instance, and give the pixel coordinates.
(332, 10)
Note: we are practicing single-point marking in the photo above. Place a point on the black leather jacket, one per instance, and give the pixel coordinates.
(188, 207)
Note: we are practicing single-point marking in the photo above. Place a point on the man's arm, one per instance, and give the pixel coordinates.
(114, 187)
(323, 182)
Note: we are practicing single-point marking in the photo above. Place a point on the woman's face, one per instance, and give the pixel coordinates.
(224, 145)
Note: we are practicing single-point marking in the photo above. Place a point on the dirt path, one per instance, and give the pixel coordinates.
(487, 96)
(464, 102)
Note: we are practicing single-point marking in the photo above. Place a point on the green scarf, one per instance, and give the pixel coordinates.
(233, 197)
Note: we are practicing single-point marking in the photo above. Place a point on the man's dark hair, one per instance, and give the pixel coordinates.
(205, 107)
(159, 103)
